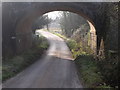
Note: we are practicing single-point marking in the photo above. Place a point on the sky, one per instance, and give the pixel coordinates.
(53, 14)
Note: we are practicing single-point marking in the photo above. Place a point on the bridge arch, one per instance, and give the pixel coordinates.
(37, 9)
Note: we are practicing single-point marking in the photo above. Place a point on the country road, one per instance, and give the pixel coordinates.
(56, 69)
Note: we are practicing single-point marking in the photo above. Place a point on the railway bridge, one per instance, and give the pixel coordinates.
(17, 20)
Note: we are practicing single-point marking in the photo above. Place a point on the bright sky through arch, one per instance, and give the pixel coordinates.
(53, 14)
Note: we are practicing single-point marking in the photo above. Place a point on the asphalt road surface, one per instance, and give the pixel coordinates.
(56, 69)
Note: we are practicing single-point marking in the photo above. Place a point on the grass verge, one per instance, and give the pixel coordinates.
(88, 69)
(11, 67)
(110, 69)
(93, 73)
(89, 72)
(61, 36)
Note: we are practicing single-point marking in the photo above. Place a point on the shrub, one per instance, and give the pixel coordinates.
(89, 72)
(11, 67)
(71, 44)
(110, 69)
(78, 49)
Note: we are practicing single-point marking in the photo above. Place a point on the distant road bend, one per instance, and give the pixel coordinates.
(56, 69)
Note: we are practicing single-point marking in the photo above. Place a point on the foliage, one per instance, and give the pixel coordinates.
(89, 69)
(13, 66)
(70, 22)
(78, 49)
(82, 33)
(71, 44)
(41, 22)
(109, 66)
(61, 36)
(89, 72)
(43, 43)
(110, 69)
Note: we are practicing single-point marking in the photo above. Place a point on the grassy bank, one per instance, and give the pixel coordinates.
(110, 69)
(93, 73)
(61, 36)
(89, 72)
(11, 67)
(88, 69)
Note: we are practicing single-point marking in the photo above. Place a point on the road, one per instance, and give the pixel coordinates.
(56, 69)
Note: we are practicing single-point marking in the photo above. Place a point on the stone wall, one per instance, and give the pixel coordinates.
(110, 35)
(11, 14)
(18, 19)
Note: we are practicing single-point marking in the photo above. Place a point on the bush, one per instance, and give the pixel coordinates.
(110, 70)
(71, 44)
(78, 49)
(11, 67)
(89, 72)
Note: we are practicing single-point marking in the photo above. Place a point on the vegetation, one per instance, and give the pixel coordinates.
(41, 22)
(70, 22)
(89, 72)
(88, 68)
(110, 70)
(78, 49)
(93, 72)
(109, 66)
(61, 36)
(13, 66)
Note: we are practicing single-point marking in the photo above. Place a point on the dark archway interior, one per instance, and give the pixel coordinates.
(24, 25)
(25, 13)
(17, 19)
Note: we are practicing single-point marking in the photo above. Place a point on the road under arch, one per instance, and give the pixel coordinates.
(26, 13)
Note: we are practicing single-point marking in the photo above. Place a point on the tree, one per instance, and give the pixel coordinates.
(70, 22)
(41, 22)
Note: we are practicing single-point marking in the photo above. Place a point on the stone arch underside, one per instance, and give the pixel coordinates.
(23, 29)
